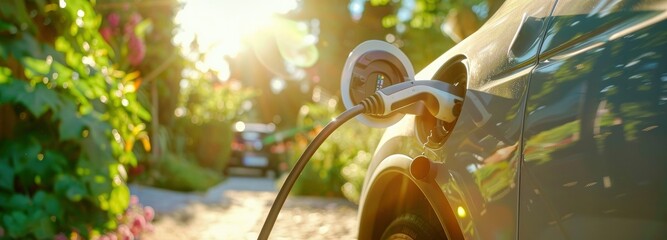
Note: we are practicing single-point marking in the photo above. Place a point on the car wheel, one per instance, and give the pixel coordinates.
(410, 226)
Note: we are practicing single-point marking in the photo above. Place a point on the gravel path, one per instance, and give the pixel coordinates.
(237, 208)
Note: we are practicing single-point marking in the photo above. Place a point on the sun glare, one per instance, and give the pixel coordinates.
(219, 26)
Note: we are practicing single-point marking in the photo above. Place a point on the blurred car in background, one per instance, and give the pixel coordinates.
(251, 150)
(561, 135)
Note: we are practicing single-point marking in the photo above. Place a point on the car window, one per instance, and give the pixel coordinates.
(579, 25)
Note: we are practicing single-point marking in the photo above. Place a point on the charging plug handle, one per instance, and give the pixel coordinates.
(441, 99)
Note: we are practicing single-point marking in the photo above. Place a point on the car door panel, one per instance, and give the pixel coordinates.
(595, 165)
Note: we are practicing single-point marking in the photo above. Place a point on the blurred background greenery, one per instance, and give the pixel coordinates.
(94, 94)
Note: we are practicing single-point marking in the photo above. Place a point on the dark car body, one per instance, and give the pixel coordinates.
(251, 151)
(562, 134)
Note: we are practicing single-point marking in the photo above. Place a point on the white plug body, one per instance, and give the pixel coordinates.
(440, 99)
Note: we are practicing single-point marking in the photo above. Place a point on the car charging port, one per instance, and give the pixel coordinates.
(431, 131)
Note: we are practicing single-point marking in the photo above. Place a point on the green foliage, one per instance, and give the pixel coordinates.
(208, 100)
(177, 173)
(179, 168)
(424, 29)
(424, 14)
(338, 168)
(196, 146)
(206, 110)
(69, 120)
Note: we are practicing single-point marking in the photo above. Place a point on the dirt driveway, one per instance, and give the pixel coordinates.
(237, 208)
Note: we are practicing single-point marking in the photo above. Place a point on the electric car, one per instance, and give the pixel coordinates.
(249, 150)
(562, 132)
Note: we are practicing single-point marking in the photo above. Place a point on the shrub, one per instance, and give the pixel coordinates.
(69, 120)
(208, 108)
(181, 174)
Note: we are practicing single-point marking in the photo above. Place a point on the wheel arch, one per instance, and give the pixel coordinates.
(393, 191)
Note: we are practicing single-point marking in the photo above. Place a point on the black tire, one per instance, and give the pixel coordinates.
(410, 226)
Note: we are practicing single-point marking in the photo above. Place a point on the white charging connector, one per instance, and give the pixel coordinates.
(441, 99)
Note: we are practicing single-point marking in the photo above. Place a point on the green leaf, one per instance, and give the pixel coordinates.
(97, 145)
(70, 187)
(21, 152)
(100, 185)
(42, 226)
(5, 75)
(39, 99)
(39, 197)
(44, 167)
(57, 162)
(12, 89)
(141, 28)
(35, 67)
(4, 199)
(141, 112)
(6, 176)
(71, 123)
(48, 202)
(120, 199)
(22, 15)
(26, 46)
(19, 202)
(63, 181)
(16, 224)
(7, 27)
(75, 192)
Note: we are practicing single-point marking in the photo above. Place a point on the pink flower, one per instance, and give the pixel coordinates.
(113, 19)
(106, 33)
(149, 213)
(134, 200)
(60, 236)
(135, 19)
(125, 232)
(137, 50)
(109, 236)
(138, 225)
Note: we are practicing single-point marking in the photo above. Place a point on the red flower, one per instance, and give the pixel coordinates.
(137, 50)
(113, 19)
(106, 33)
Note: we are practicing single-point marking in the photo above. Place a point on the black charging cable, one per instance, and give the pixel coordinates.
(440, 99)
(301, 163)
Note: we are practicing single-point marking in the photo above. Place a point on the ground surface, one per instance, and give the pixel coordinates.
(236, 209)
